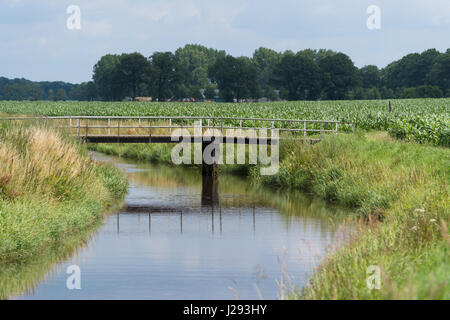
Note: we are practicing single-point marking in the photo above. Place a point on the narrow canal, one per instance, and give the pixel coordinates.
(164, 244)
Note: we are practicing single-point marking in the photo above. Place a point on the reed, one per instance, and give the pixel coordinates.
(49, 189)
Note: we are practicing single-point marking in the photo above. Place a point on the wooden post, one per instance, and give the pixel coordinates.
(305, 133)
(321, 128)
(390, 110)
(150, 128)
(170, 127)
(149, 221)
(109, 127)
(210, 175)
(118, 127)
(79, 126)
(87, 125)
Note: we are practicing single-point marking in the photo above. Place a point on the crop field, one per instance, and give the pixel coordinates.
(421, 120)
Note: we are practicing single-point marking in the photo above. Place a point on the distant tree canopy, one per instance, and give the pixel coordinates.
(22, 89)
(198, 72)
(236, 78)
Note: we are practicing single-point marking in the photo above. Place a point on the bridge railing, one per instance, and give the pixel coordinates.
(154, 126)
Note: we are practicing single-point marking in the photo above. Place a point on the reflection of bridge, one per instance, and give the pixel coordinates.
(179, 211)
(204, 130)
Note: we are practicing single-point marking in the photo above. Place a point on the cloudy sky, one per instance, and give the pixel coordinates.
(36, 44)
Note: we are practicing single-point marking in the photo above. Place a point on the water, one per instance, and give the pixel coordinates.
(165, 245)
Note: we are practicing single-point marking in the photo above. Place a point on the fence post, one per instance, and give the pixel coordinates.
(321, 128)
(170, 127)
(305, 134)
(118, 127)
(390, 110)
(337, 124)
(79, 126)
(87, 126)
(354, 128)
(109, 127)
(150, 127)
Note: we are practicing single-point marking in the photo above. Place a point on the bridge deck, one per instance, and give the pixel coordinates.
(170, 139)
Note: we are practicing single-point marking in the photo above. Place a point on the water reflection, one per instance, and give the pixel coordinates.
(166, 243)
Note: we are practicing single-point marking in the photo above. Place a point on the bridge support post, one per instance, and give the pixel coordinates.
(210, 177)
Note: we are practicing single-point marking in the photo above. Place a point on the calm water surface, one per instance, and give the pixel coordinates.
(165, 245)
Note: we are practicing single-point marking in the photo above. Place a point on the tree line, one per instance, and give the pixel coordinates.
(22, 89)
(199, 72)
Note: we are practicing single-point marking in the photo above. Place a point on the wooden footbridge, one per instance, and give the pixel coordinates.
(204, 130)
(114, 129)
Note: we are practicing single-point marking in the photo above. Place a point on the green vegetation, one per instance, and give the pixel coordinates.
(50, 191)
(422, 120)
(401, 191)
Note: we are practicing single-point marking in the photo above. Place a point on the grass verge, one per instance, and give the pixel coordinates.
(401, 192)
(51, 191)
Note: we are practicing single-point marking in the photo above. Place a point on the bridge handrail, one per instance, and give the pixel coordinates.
(170, 118)
(175, 118)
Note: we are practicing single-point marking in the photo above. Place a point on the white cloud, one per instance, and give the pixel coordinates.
(239, 27)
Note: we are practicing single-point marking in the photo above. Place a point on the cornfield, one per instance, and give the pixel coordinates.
(421, 120)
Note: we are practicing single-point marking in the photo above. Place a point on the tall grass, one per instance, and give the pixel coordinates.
(49, 189)
(401, 192)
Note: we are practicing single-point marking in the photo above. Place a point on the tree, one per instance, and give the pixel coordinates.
(370, 76)
(195, 92)
(61, 95)
(439, 74)
(236, 78)
(429, 92)
(265, 61)
(340, 76)
(107, 78)
(51, 95)
(36, 91)
(411, 70)
(133, 70)
(210, 91)
(196, 59)
(167, 75)
(299, 75)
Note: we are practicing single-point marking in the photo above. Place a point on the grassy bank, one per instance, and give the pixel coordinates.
(400, 191)
(50, 191)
